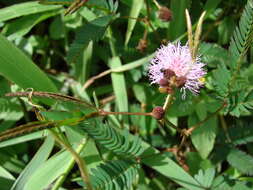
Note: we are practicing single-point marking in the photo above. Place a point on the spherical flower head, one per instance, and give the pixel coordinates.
(177, 61)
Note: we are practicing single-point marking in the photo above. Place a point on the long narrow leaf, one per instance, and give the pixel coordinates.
(24, 9)
(18, 68)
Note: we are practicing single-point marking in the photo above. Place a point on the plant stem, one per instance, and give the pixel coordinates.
(190, 130)
(80, 162)
(225, 128)
(61, 179)
(172, 125)
(168, 102)
(104, 113)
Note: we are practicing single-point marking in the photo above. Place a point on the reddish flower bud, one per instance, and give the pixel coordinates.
(158, 112)
(163, 82)
(168, 73)
(165, 14)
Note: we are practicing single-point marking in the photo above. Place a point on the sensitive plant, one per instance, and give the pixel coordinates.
(174, 66)
(194, 132)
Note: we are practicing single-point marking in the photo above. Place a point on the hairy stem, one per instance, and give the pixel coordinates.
(80, 162)
(62, 178)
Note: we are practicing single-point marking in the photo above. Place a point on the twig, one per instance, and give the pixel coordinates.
(41, 125)
(62, 178)
(80, 162)
(104, 113)
(55, 96)
(75, 6)
(207, 118)
(172, 125)
(92, 79)
(225, 128)
(106, 100)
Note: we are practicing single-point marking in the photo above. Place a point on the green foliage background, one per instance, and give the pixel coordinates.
(44, 49)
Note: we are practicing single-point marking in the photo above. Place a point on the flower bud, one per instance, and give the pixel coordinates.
(158, 112)
(165, 14)
(163, 82)
(167, 73)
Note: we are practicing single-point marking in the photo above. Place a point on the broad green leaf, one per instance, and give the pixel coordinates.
(221, 79)
(61, 163)
(22, 9)
(167, 167)
(18, 68)
(206, 177)
(24, 138)
(211, 5)
(213, 55)
(119, 85)
(201, 110)
(134, 13)
(39, 158)
(195, 162)
(23, 25)
(203, 137)
(177, 25)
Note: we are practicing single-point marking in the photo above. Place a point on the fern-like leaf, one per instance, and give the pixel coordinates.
(240, 103)
(241, 133)
(243, 35)
(114, 140)
(241, 161)
(114, 175)
(91, 31)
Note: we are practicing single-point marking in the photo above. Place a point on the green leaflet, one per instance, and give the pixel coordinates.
(241, 161)
(243, 35)
(118, 142)
(113, 175)
(91, 31)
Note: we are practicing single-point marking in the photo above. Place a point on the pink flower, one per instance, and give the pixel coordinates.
(173, 66)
